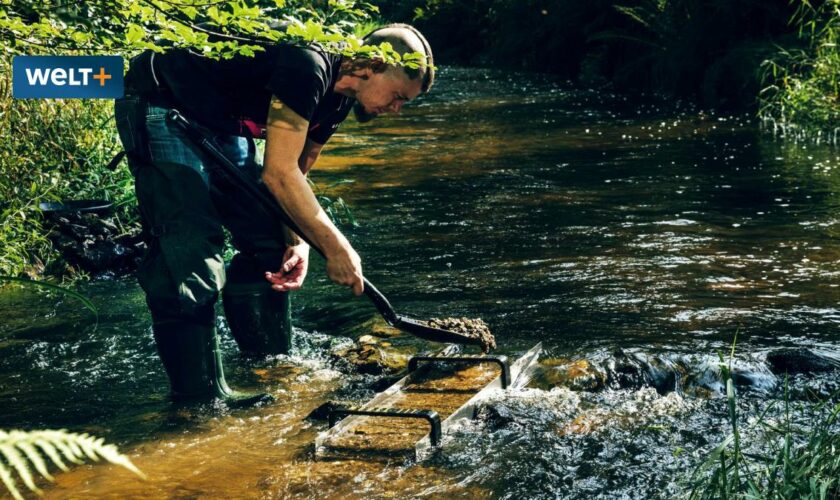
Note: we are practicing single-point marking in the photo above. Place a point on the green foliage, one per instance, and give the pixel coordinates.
(802, 94)
(24, 451)
(52, 149)
(798, 463)
(705, 50)
(219, 29)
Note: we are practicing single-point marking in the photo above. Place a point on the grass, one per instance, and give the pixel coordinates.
(52, 149)
(801, 99)
(799, 461)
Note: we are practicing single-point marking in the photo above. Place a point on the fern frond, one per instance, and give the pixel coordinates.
(6, 477)
(35, 459)
(21, 451)
(15, 459)
(635, 13)
(52, 453)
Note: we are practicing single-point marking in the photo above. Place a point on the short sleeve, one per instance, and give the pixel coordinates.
(322, 131)
(299, 79)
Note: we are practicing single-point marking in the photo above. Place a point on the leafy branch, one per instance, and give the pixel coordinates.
(217, 29)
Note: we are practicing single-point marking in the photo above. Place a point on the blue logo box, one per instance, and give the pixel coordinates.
(69, 77)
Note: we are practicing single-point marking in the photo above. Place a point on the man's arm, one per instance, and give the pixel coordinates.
(311, 152)
(308, 157)
(282, 174)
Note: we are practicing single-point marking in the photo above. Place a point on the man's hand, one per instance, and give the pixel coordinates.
(293, 271)
(345, 268)
(284, 147)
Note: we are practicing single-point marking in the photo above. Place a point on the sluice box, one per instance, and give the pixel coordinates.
(411, 417)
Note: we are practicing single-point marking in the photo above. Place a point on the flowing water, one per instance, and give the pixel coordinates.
(638, 233)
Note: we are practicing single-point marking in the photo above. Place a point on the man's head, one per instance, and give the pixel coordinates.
(381, 88)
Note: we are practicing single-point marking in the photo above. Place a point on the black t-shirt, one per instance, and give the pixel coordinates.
(232, 95)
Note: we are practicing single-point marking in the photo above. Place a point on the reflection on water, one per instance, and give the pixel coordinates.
(584, 220)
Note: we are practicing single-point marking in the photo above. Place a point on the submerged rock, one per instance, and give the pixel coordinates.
(665, 374)
(634, 371)
(322, 412)
(577, 375)
(626, 371)
(801, 360)
(372, 358)
(376, 327)
(495, 416)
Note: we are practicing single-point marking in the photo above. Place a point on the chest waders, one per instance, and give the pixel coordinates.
(183, 272)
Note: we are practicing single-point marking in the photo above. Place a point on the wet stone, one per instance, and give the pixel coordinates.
(322, 412)
(376, 327)
(664, 374)
(792, 361)
(94, 244)
(626, 372)
(578, 375)
(619, 371)
(371, 358)
(495, 417)
(367, 340)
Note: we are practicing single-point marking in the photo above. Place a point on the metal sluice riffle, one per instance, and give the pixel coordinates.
(411, 418)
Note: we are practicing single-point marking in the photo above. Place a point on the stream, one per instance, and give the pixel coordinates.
(633, 237)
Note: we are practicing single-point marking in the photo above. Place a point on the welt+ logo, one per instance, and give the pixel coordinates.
(84, 77)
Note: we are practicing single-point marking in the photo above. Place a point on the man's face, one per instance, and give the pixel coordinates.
(385, 92)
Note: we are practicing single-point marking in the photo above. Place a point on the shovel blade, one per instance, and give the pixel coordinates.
(425, 332)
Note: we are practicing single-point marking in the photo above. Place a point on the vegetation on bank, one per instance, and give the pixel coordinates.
(778, 58)
(52, 149)
(798, 460)
(802, 98)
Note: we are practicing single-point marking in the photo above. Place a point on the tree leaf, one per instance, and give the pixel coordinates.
(134, 33)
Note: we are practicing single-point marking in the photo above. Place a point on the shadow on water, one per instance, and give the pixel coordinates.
(632, 238)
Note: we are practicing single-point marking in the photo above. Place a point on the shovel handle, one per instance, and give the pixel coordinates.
(232, 173)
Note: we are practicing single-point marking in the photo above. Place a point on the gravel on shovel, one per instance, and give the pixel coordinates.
(474, 328)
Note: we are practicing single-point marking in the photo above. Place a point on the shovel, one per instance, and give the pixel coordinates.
(224, 167)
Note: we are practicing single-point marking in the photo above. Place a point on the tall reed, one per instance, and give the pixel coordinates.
(797, 462)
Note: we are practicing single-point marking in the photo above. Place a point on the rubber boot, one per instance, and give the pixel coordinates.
(192, 359)
(259, 318)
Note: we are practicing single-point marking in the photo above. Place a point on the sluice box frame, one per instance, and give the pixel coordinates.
(342, 419)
